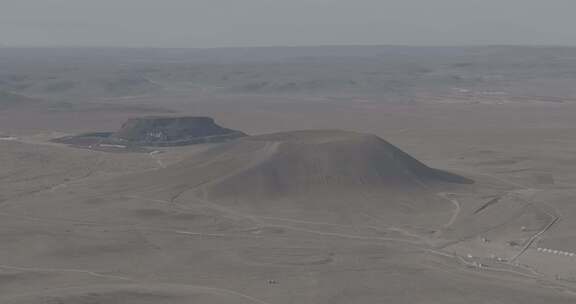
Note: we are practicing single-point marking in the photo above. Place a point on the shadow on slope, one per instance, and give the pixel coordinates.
(296, 163)
(328, 175)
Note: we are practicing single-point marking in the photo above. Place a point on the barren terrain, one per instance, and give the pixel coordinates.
(321, 216)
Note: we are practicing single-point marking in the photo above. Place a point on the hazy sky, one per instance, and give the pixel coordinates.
(212, 23)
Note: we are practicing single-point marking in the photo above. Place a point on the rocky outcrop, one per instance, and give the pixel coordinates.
(173, 131)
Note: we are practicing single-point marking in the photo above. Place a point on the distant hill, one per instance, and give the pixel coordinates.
(157, 131)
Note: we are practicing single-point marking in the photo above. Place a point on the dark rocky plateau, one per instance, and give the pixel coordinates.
(155, 131)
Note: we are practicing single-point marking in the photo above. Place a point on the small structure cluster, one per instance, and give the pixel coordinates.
(558, 252)
(8, 138)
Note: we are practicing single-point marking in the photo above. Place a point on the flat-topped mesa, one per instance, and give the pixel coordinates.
(155, 131)
(307, 161)
(173, 131)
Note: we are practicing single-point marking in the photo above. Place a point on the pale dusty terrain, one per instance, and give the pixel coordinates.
(205, 224)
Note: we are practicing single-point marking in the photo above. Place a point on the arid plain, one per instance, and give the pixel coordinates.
(332, 214)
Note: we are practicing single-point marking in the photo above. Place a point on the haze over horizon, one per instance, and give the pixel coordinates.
(191, 24)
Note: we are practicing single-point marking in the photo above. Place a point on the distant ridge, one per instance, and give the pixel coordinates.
(10, 99)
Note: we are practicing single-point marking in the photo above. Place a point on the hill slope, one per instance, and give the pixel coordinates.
(311, 161)
(321, 175)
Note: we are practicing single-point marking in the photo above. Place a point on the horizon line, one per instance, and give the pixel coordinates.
(4, 46)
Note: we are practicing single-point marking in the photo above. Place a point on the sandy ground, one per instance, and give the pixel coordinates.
(76, 228)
